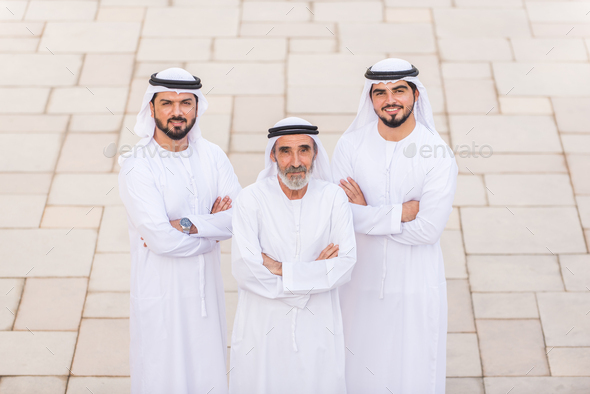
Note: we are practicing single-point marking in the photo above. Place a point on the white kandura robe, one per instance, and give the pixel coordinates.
(287, 335)
(177, 322)
(394, 308)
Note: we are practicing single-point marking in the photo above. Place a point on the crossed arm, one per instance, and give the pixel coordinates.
(147, 211)
(355, 195)
(276, 267)
(289, 281)
(219, 205)
(411, 223)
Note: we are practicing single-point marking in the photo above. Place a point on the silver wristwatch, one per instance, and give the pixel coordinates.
(186, 225)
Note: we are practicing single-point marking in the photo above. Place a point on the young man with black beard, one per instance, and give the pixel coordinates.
(177, 188)
(394, 308)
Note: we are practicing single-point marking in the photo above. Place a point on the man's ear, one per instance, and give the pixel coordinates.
(416, 94)
(272, 156)
(152, 109)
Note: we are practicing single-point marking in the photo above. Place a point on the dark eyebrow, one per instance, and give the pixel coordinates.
(170, 101)
(400, 87)
(305, 146)
(378, 90)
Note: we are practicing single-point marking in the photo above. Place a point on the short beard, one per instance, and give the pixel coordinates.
(298, 182)
(175, 133)
(393, 123)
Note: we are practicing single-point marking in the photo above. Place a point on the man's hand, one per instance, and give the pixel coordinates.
(353, 191)
(410, 210)
(273, 266)
(144, 245)
(330, 252)
(176, 225)
(221, 205)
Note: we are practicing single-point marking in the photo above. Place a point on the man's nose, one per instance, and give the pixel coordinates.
(176, 110)
(391, 100)
(296, 162)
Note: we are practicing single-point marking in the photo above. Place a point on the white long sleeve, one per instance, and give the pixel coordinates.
(436, 205)
(247, 263)
(218, 226)
(323, 275)
(147, 212)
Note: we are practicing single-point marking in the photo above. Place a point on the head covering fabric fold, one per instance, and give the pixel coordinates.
(321, 168)
(366, 113)
(145, 125)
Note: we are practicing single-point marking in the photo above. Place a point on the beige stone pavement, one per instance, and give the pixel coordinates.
(510, 74)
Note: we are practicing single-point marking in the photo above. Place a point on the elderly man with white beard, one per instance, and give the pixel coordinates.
(293, 246)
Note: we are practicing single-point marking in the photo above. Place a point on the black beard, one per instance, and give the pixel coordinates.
(176, 133)
(393, 123)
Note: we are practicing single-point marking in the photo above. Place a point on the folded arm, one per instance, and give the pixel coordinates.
(247, 262)
(325, 274)
(436, 204)
(147, 212)
(217, 225)
(371, 220)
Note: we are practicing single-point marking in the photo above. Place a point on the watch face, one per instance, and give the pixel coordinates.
(184, 222)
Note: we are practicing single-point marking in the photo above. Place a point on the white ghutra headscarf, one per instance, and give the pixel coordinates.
(290, 126)
(392, 70)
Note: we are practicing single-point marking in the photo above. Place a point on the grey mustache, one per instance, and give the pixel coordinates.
(295, 169)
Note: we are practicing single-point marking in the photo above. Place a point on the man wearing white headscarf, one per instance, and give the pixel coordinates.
(293, 246)
(172, 183)
(400, 180)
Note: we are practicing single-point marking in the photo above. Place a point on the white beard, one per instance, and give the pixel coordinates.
(296, 182)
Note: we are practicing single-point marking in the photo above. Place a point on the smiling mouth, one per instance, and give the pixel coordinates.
(392, 111)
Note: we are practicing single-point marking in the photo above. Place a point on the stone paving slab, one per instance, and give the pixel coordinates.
(575, 270)
(460, 313)
(506, 134)
(522, 230)
(85, 189)
(57, 253)
(51, 304)
(38, 353)
(110, 272)
(535, 385)
(99, 385)
(514, 273)
(102, 348)
(107, 305)
(569, 361)
(512, 347)
(33, 384)
(464, 386)
(40, 154)
(463, 357)
(564, 318)
(21, 211)
(505, 306)
(11, 291)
